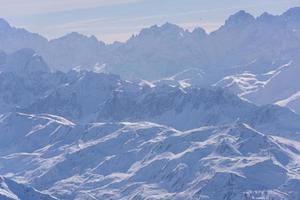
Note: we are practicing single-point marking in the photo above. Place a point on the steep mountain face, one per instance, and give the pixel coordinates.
(243, 43)
(61, 54)
(143, 160)
(160, 51)
(84, 96)
(172, 106)
(14, 39)
(90, 97)
(24, 78)
(74, 51)
(251, 41)
(23, 62)
(10, 190)
(80, 97)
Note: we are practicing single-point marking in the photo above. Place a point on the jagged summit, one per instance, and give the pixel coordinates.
(170, 27)
(167, 29)
(153, 53)
(239, 19)
(199, 32)
(77, 36)
(265, 16)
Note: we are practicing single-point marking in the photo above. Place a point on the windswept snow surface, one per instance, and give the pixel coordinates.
(88, 135)
(292, 102)
(10, 190)
(278, 86)
(144, 160)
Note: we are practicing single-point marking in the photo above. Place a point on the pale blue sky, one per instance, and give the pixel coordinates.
(111, 20)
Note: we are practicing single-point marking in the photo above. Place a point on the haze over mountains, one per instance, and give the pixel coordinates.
(169, 114)
(167, 49)
(243, 44)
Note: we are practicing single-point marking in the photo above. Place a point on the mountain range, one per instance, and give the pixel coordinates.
(90, 135)
(243, 42)
(244, 45)
(169, 114)
(143, 160)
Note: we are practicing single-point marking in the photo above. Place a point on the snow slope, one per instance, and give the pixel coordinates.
(292, 102)
(24, 78)
(277, 86)
(79, 96)
(10, 190)
(143, 160)
(92, 97)
(84, 96)
(192, 107)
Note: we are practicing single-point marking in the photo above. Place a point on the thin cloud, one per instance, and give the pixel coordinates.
(123, 25)
(83, 24)
(31, 7)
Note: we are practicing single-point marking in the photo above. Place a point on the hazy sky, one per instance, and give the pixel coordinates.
(111, 20)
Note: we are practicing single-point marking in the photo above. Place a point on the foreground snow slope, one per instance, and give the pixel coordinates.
(10, 190)
(143, 160)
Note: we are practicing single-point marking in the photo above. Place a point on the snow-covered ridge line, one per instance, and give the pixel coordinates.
(290, 99)
(129, 160)
(10, 190)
